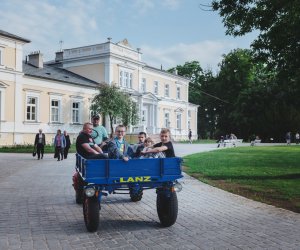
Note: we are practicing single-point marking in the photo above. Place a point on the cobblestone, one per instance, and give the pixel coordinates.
(38, 211)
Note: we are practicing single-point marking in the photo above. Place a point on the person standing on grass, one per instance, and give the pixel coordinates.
(39, 143)
(297, 138)
(68, 144)
(59, 144)
(288, 138)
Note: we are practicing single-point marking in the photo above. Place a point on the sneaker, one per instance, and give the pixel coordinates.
(58, 159)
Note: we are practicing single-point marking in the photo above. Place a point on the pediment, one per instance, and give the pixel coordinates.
(3, 84)
(179, 110)
(149, 95)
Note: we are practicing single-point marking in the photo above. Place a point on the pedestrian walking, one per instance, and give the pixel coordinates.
(68, 144)
(59, 145)
(190, 136)
(39, 143)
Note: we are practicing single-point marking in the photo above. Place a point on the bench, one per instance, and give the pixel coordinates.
(256, 141)
(232, 142)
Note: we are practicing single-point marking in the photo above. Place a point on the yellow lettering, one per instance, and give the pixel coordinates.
(138, 179)
(130, 179)
(147, 178)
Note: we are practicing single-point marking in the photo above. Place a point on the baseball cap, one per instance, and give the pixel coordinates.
(95, 117)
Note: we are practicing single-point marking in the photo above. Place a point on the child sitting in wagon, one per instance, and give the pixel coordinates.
(165, 146)
(148, 145)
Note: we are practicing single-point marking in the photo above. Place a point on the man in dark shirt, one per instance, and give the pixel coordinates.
(164, 146)
(86, 146)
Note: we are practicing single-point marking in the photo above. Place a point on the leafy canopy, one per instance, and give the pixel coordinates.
(278, 22)
(115, 104)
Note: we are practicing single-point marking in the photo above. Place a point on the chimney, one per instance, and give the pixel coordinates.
(36, 59)
(59, 56)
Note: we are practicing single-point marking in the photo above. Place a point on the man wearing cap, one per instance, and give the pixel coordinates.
(99, 133)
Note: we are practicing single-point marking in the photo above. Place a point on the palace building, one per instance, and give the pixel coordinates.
(57, 94)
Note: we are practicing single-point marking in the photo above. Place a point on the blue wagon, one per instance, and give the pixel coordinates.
(95, 178)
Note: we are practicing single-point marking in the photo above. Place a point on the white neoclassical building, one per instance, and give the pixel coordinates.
(58, 94)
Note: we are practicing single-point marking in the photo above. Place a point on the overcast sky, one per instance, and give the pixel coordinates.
(169, 32)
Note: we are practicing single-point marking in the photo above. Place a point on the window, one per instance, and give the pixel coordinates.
(178, 121)
(143, 85)
(167, 90)
(1, 56)
(189, 114)
(55, 108)
(155, 87)
(75, 112)
(189, 124)
(167, 120)
(31, 108)
(125, 79)
(130, 81)
(178, 92)
(121, 78)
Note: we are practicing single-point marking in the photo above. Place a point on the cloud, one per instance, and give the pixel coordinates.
(208, 53)
(143, 6)
(171, 4)
(45, 23)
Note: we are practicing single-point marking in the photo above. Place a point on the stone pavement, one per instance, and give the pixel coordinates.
(38, 211)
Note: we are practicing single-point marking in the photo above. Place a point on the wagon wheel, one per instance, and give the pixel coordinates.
(79, 196)
(167, 207)
(78, 184)
(136, 196)
(91, 213)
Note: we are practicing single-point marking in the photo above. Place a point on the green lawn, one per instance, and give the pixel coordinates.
(267, 174)
(204, 141)
(29, 149)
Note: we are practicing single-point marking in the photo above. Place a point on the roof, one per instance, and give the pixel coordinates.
(57, 74)
(4, 33)
(166, 72)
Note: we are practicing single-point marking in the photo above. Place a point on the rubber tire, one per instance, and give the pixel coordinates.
(136, 197)
(79, 191)
(167, 208)
(91, 213)
(79, 196)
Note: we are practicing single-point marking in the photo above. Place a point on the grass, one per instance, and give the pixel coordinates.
(204, 141)
(266, 174)
(29, 149)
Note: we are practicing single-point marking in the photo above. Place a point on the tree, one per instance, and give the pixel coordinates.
(278, 22)
(113, 103)
(200, 86)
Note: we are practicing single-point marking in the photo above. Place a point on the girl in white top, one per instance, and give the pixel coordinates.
(149, 145)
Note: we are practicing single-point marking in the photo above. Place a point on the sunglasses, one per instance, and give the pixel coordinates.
(120, 131)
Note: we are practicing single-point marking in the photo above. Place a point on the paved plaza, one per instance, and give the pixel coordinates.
(38, 211)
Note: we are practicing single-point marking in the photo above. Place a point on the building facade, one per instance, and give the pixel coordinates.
(162, 97)
(34, 95)
(58, 94)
